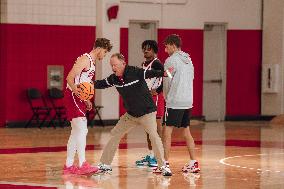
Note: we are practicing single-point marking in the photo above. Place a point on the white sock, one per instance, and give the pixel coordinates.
(81, 135)
(71, 147)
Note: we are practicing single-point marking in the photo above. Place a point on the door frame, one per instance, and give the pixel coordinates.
(222, 113)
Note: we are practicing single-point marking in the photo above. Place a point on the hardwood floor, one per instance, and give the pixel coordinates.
(231, 155)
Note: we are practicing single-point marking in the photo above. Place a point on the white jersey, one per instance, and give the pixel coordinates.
(85, 75)
(155, 82)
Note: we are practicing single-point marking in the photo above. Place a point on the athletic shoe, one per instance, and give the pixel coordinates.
(152, 162)
(164, 170)
(86, 169)
(104, 168)
(144, 161)
(69, 170)
(191, 167)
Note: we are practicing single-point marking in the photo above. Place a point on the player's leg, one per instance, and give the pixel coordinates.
(124, 125)
(192, 165)
(69, 168)
(80, 131)
(173, 118)
(148, 121)
(77, 140)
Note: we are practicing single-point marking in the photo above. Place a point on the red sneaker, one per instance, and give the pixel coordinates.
(86, 169)
(69, 170)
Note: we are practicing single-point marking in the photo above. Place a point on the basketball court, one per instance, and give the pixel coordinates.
(236, 48)
(231, 155)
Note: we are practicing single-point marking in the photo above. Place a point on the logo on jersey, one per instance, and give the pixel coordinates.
(91, 74)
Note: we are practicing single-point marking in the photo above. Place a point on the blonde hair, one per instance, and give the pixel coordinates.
(119, 56)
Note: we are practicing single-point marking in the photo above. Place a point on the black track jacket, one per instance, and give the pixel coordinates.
(136, 97)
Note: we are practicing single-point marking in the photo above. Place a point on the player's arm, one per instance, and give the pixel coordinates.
(167, 81)
(146, 74)
(81, 64)
(105, 83)
(157, 65)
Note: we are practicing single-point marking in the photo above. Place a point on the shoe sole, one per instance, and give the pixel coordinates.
(153, 165)
(167, 174)
(89, 173)
(186, 171)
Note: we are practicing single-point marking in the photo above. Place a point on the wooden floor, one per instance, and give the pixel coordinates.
(231, 155)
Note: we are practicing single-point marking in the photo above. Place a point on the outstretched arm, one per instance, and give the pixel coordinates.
(105, 83)
(146, 74)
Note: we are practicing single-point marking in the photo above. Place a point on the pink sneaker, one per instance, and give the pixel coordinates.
(69, 170)
(86, 169)
(191, 168)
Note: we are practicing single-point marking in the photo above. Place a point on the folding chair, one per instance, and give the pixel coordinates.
(56, 96)
(38, 106)
(92, 114)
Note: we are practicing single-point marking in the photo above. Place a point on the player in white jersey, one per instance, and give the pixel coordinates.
(82, 71)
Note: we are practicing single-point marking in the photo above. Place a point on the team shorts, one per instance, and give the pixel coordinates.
(177, 117)
(74, 106)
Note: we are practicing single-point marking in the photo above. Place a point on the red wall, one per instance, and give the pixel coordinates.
(243, 67)
(3, 65)
(193, 44)
(243, 72)
(25, 53)
(26, 50)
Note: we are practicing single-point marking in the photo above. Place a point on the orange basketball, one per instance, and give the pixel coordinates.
(86, 91)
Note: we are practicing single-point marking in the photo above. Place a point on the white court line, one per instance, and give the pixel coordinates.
(222, 161)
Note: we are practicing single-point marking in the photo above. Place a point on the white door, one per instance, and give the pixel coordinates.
(139, 32)
(214, 73)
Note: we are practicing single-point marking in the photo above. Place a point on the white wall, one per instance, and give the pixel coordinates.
(273, 53)
(239, 14)
(108, 98)
(53, 12)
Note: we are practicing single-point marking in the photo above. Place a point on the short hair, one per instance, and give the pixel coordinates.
(152, 44)
(173, 39)
(119, 56)
(103, 43)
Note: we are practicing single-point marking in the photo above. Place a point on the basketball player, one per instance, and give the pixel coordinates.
(150, 50)
(82, 71)
(178, 92)
(141, 110)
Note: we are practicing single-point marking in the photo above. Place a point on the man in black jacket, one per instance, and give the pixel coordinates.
(141, 110)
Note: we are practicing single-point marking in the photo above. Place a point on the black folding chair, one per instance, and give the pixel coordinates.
(56, 97)
(38, 106)
(93, 113)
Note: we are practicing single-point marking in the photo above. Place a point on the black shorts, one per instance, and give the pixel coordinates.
(177, 117)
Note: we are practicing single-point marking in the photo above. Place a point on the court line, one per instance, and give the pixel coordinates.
(222, 161)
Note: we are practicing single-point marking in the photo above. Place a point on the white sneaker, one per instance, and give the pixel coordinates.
(164, 170)
(104, 168)
(191, 167)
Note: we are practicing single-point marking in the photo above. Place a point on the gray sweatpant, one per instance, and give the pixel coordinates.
(124, 125)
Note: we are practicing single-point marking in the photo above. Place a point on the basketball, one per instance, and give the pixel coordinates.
(86, 91)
